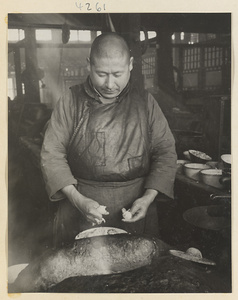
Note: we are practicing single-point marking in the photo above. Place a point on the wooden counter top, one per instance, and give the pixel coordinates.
(191, 193)
(200, 185)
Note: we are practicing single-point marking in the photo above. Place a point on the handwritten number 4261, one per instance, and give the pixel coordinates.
(89, 6)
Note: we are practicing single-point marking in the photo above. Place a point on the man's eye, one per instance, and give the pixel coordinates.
(117, 75)
(101, 75)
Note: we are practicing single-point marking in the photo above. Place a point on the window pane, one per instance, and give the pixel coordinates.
(43, 35)
(73, 36)
(151, 34)
(80, 36)
(84, 35)
(11, 92)
(15, 35)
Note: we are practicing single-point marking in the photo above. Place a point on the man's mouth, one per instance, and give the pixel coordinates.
(109, 92)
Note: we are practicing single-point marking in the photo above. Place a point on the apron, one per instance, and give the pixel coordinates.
(109, 154)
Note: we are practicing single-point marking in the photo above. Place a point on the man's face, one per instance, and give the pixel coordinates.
(110, 75)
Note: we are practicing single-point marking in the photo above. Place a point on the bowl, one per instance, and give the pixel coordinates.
(199, 157)
(180, 163)
(192, 170)
(226, 160)
(212, 177)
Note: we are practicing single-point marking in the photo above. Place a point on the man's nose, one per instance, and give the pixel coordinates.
(109, 82)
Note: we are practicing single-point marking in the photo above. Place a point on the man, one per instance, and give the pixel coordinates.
(107, 145)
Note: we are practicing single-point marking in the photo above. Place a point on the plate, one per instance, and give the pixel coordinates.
(13, 272)
(190, 257)
(98, 231)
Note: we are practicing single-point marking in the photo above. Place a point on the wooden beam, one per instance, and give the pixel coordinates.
(31, 78)
(20, 25)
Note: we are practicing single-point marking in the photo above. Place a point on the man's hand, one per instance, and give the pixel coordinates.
(141, 205)
(88, 207)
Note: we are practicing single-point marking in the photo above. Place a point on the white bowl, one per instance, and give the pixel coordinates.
(211, 177)
(192, 170)
(226, 159)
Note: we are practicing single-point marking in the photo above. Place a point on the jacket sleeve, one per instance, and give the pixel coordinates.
(163, 154)
(55, 169)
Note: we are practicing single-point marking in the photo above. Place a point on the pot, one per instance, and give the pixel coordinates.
(192, 170)
(212, 177)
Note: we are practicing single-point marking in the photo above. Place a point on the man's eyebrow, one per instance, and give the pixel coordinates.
(101, 72)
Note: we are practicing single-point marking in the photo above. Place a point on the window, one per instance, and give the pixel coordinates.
(191, 37)
(43, 35)
(73, 36)
(80, 36)
(15, 35)
(11, 89)
(151, 35)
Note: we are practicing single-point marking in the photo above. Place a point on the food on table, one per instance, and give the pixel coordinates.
(97, 231)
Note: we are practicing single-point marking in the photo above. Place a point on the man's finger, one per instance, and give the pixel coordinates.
(134, 210)
(95, 214)
(135, 218)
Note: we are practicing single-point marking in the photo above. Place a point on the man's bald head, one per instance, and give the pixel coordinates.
(109, 45)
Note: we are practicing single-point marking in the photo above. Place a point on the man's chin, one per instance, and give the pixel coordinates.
(109, 96)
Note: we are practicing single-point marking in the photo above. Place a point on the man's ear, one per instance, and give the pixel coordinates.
(88, 64)
(131, 63)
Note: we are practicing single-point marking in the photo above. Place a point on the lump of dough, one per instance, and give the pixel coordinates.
(126, 214)
(102, 210)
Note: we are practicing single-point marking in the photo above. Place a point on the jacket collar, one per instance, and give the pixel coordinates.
(93, 93)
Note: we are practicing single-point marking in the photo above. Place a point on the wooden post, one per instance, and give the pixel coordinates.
(165, 60)
(17, 61)
(130, 30)
(31, 80)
